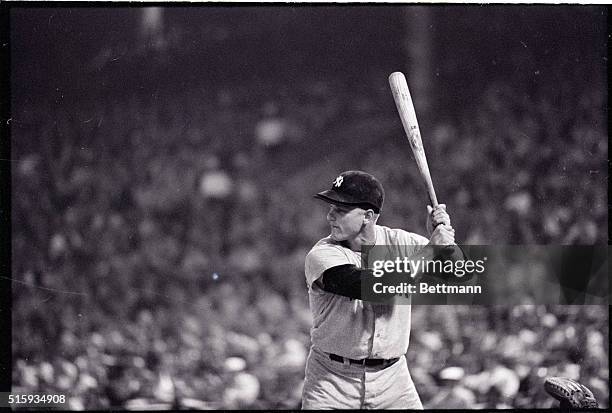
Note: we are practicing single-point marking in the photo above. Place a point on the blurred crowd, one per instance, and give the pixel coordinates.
(159, 238)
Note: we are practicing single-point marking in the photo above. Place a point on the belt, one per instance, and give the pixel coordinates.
(364, 362)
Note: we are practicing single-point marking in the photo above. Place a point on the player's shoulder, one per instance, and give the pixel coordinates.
(397, 236)
(325, 254)
(326, 250)
(325, 245)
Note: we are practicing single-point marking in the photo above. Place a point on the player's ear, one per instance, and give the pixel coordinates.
(369, 216)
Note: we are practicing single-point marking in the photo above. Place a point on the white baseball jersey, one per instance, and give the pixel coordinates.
(357, 329)
(354, 328)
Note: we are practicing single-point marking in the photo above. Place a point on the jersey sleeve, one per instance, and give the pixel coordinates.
(411, 243)
(419, 239)
(322, 258)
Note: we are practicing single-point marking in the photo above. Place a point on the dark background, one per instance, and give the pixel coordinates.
(162, 180)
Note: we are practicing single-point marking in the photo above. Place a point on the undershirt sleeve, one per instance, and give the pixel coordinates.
(344, 280)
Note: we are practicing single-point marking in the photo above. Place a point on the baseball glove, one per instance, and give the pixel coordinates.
(570, 393)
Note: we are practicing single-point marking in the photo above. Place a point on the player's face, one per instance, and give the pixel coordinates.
(345, 222)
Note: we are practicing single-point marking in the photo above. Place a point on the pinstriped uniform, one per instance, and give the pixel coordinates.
(357, 329)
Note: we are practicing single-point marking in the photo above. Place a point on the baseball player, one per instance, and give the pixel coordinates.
(357, 357)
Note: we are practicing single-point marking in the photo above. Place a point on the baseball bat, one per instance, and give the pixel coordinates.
(403, 101)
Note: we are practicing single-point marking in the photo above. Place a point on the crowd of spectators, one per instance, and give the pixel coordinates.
(158, 240)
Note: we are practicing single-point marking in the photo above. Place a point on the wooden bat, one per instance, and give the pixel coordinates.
(403, 101)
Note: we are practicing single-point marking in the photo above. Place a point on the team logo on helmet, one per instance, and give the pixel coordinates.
(338, 181)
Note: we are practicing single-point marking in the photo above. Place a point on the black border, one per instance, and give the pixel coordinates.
(5, 128)
(5, 204)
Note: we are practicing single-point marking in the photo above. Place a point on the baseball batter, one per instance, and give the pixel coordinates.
(357, 358)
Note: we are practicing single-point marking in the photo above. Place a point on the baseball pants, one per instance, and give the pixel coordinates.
(333, 385)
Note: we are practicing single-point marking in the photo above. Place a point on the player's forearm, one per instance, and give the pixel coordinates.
(432, 252)
(427, 253)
